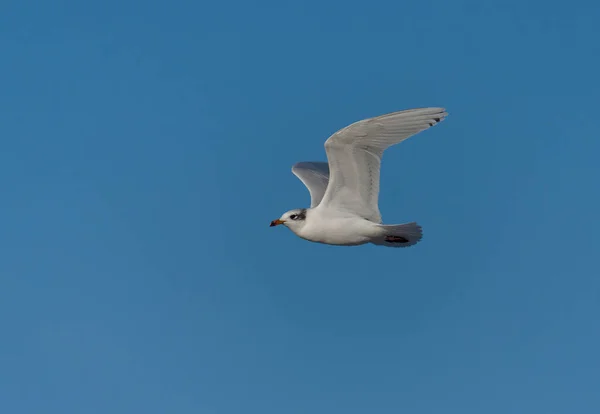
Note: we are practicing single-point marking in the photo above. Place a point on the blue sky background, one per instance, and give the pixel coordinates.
(146, 146)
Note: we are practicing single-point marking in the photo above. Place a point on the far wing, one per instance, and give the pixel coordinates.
(315, 176)
(355, 152)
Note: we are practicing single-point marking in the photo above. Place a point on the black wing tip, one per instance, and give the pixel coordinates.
(439, 119)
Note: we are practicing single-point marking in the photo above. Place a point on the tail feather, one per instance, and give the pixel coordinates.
(399, 235)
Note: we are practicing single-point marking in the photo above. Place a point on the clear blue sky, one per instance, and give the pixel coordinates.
(147, 145)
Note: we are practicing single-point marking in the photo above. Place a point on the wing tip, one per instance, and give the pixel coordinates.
(433, 115)
(436, 120)
(424, 111)
(299, 166)
(309, 165)
(438, 116)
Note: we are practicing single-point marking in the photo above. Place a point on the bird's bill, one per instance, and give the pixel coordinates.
(276, 222)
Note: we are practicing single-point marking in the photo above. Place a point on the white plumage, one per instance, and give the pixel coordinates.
(344, 192)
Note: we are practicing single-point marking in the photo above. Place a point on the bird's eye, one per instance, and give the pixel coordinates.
(293, 217)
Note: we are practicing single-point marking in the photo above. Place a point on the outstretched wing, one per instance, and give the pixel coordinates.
(355, 152)
(315, 176)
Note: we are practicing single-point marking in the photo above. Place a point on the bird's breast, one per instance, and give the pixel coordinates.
(338, 231)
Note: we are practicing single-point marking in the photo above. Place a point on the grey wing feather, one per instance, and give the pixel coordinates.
(315, 176)
(355, 152)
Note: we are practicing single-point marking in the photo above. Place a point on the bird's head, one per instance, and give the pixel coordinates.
(293, 219)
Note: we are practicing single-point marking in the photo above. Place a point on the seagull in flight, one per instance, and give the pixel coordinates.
(344, 192)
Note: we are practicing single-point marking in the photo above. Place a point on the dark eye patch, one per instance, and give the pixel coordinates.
(301, 215)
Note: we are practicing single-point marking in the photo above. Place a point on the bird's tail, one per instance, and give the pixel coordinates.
(399, 235)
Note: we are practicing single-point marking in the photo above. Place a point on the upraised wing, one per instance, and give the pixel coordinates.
(355, 152)
(315, 176)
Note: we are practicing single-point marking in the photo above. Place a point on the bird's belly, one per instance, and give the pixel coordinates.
(339, 232)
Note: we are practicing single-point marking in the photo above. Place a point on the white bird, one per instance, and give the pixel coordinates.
(344, 193)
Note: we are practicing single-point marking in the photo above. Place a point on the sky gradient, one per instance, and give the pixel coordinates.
(146, 146)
